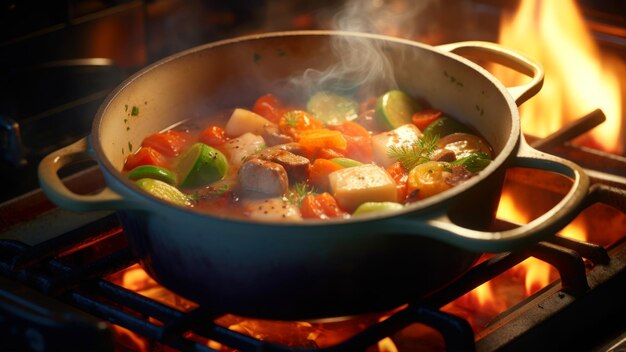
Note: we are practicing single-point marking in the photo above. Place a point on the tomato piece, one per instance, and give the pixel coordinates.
(145, 156)
(318, 173)
(399, 174)
(321, 206)
(169, 143)
(421, 119)
(213, 136)
(269, 107)
(295, 121)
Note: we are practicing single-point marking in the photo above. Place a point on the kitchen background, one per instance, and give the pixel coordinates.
(60, 59)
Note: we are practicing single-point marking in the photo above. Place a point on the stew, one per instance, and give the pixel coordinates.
(333, 157)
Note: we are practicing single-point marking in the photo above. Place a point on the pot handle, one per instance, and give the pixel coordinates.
(442, 228)
(57, 192)
(507, 57)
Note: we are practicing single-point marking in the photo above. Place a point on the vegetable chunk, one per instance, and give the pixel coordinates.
(244, 121)
(238, 149)
(356, 185)
(272, 209)
(404, 135)
(201, 165)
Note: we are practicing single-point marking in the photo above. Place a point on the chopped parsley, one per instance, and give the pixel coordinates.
(134, 111)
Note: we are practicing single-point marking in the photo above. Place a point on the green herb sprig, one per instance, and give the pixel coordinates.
(291, 117)
(298, 192)
(414, 154)
(474, 162)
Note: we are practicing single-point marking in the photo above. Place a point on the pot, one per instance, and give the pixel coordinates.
(313, 269)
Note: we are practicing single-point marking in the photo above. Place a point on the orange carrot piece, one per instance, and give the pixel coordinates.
(322, 138)
(318, 173)
(321, 206)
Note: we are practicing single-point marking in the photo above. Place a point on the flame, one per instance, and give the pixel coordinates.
(387, 345)
(575, 230)
(578, 79)
(483, 293)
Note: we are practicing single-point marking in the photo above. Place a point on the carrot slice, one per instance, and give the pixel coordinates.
(318, 173)
(359, 141)
(295, 121)
(322, 138)
(321, 206)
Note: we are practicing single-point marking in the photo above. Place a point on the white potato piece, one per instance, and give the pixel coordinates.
(272, 209)
(356, 185)
(243, 121)
(238, 149)
(403, 135)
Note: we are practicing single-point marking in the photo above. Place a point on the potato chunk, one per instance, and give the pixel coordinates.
(238, 149)
(271, 209)
(403, 135)
(356, 185)
(243, 121)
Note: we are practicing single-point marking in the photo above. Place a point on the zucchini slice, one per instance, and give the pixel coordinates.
(332, 108)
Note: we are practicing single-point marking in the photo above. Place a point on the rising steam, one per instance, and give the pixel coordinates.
(361, 61)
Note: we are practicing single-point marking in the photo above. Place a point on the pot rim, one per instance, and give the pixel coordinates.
(433, 205)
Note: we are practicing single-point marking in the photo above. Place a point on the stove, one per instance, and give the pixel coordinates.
(69, 279)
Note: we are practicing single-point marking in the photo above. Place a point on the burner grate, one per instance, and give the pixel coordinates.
(58, 270)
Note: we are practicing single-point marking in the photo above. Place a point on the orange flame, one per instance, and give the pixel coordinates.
(578, 79)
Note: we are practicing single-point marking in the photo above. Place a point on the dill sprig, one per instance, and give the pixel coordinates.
(414, 154)
(298, 192)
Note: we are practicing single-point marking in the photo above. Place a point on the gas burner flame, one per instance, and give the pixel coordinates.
(579, 77)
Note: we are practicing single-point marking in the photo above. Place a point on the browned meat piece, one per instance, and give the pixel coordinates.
(443, 155)
(458, 175)
(267, 153)
(262, 176)
(272, 136)
(368, 120)
(297, 166)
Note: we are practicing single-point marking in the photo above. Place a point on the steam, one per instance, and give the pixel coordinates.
(362, 63)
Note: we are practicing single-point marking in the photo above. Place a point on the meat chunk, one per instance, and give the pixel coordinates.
(443, 155)
(273, 136)
(294, 148)
(262, 176)
(297, 166)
